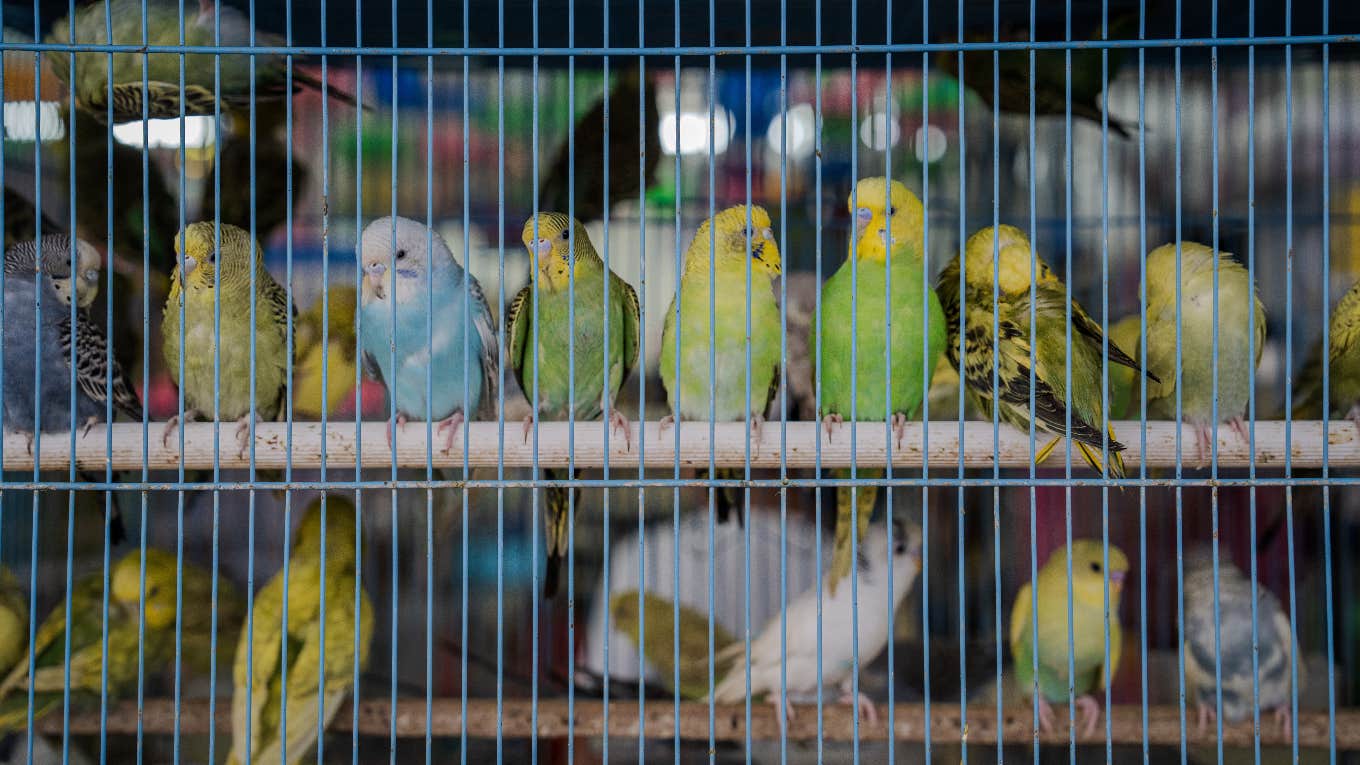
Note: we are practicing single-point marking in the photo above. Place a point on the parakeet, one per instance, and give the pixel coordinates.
(837, 638)
(624, 149)
(205, 277)
(599, 371)
(426, 335)
(258, 676)
(884, 212)
(201, 89)
(1088, 630)
(1343, 356)
(21, 259)
(1050, 77)
(129, 609)
(1241, 321)
(659, 650)
(1012, 348)
(13, 621)
(1275, 645)
(687, 389)
(335, 357)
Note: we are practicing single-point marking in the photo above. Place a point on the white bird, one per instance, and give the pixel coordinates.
(837, 643)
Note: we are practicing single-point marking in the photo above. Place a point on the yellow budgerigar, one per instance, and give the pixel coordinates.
(204, 277)
(324, 371)
(1091, 570)
(259, 672)
(1240, 322)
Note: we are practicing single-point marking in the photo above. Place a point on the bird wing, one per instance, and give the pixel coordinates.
(257, 660)
(517, 333)
(98, 374)
(485, 324)
(1021, 610)
(1344, 334)
(632, 325)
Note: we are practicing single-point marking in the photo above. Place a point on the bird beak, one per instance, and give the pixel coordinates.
(862, 217)
(375, 274)
(190, 263)
(540, 249)
(1116, 581)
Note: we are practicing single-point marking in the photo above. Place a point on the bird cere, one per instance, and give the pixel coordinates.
(313, 451)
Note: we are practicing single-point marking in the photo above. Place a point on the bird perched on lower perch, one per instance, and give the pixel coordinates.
(1343, 358)
(1090, 573)
(1240, 323)
(211, 287)
(736, 248)
(1017, 289)
(150, 611)
(424, 321)
(1218, 658)
(557, 328)
(795, 653)
(324, 373)
(658, 645)
(316, 655)
(881, 287)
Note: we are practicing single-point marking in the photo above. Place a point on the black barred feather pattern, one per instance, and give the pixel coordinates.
(95, 377)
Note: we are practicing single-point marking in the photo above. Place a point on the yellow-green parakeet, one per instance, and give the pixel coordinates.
(129, 609)
(1088, 628)
(257, 703)
(1241, 321)
(333, 359)
(1012, 347)
(203, 277)
(659, 650)
(736, 247)
(853, 351)
(1343, 356)
(566, 299)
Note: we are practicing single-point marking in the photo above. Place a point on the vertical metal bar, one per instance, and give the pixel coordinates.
(1326, 382)
(467, 404)
(784, 375)
(675, 412)
(712, 373)
(1108, 679)
(1214, 355)
(643, 95)
(1033, 270)
(533, 395)
(817, 357)
(500, 411)
(1141, 377)
(1289, 354)
(1251, 343)
(1179, 380)
(395, 572)
(356, 690)
(745, 510)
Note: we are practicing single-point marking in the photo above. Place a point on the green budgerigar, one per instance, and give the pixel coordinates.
(1241, 322)
(259, 675)
(1088, 628)
(1017, 289)
(736, 247)
(884, 260)
(569, 278)
(130, 610)
(658, 644)
(1343, 358)
(204, 277)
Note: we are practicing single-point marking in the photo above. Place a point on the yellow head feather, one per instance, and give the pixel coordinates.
(552, 268)
(730, 235)
(125, 582)
(1014, 275)
(1088, 577)
(200, 260)
(882, 209)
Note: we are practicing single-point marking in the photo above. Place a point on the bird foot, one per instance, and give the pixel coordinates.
(1239, 427)
(1047, 720)
(756, 423)
(90, 422)
(1285, 718)
(401, 425)
(899, 427)
(528, 426)
(617, 422)
(1090, 714)
(830, 424)
(450, 424)
(1207, 715)
(243, 433)
(1204, 443)
(664, 423)
(784, 711)
(864, 708)
(173, 424)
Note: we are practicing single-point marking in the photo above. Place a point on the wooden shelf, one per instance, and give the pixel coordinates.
(728, 444)
(515, 719)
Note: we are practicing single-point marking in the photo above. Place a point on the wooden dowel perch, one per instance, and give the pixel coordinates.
(1163, 723)
(728, 444)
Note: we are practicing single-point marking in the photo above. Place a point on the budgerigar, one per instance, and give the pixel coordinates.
(1343, 357)
(1088, 628)
(332, 359)
(884, 213)
(258, 674)
(98, 376)
(13, 620)
(567, 277)
(130, 610)
(202, 89)
(659, 649)
(407, 263)
(1241, 321)
(204, 277)
(1274, 650)
(1012, 348)
(838, 626)
(738, 246)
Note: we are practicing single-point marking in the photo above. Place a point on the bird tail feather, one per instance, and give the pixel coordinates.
(848, 497)
(557, 531)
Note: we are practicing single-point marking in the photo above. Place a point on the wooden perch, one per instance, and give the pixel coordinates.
(728, 444)
(1163, 724)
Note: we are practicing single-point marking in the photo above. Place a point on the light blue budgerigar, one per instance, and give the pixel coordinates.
(1234, 675)
(429, 334)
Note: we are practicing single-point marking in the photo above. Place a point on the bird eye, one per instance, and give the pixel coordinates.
(891, 210)
(401, 254)
(565, 234)
(1095, 567)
